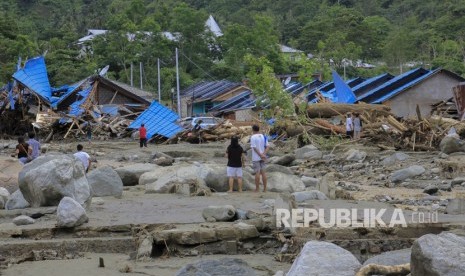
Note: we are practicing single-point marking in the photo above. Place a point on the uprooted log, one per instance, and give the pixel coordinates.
(376, 269)
(328, 110)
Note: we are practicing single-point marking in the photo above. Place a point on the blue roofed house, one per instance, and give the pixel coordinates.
(419, 86)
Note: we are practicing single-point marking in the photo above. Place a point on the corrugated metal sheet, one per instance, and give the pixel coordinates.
(328, 89)
(242, 101)
(396, 85)
(204, 91)
(343, 93)
(158, 120)
(371, 84)
(34, 76)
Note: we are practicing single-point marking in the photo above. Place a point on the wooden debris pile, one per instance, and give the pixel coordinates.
(222, 131)
(445, 109)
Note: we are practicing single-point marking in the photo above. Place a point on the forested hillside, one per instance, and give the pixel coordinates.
(389, 33)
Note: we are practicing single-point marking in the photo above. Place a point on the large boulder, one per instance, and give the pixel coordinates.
(281, 183)
(130, 174)
(308, 195)
(16, 201)
(310, 181)
(224, 266)
(216, 179)
(70, 213)
(176, 179)
(456, 206)
(23, 220)
(394, 158)
(390, 258)
(4, 195)
(451, 144)
(219, 213)
(105, 181)
(319, 258)
(412, 171)
(278, 168)
(309, 152)
(47, 179)
(284, 160)
(438, 255)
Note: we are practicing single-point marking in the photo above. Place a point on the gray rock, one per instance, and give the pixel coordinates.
(278, 168)
(450, 145)
(324, 259)
(445, 187)
(309, 152)
(224, 266)
(280, 182)
(434, 255)
(457, 181)
(308, 195)
(329, 157)
(105, 181)
(23, 220)
(4, 194)
(2, 203)
(47, 179)
(390, 258)
(16, 201)
(435, 170)
(456, 206)
(163, 161)
(327, 185)
(219, 213)
(70, 213)
(403, 174)
(431, 189)
(145, 248)
(355, 155)
(394, 158)
(130, 174)
(310, 181)
(284, 160)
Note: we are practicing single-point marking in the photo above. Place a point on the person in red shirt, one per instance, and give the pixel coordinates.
(142, 136)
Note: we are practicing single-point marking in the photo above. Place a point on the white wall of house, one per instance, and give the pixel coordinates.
(428, 92)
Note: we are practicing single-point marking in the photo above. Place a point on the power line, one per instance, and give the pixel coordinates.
(205, 72)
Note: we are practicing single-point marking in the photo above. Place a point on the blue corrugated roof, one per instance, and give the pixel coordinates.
(396, 85)
(343, 92)
(328, 89)
(34, 76)
(158, 120)
(371, 83)
(204, 90)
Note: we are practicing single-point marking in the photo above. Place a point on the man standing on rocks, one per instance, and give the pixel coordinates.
(142, 136)
(259, 146)
(83, 157)
(349, 125)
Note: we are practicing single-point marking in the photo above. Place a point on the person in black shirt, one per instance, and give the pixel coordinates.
(235, 155)
(23, 151)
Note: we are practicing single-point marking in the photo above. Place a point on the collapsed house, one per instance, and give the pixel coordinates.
(107, 106)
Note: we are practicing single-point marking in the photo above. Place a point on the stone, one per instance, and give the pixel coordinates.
(394, 158)
(145, 248)
(435, 170)
(310, 181)
(434, 255)
(284, 160)
(23, 220)
(163, 161)
(431, 189)
(224, 266)
(445, 187)
(308, 152)
(280, 182)
(269, 202)
(355, 155)
(308, 195)
(48, 179)
(70, 213)
(175, 179)
(105, 181)
(450, 145)
(319, 258)
(278, 168)
(327, 185)
(328, 157)
(410, 172)
(456, 206)
(130, 174)
(390, 258)
(4, 194)
(457, 181)
(219, 213)
(16, 201)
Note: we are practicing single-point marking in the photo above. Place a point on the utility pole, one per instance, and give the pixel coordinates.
(132, 80)
(159, 81)
(177, 85)
(140, 75)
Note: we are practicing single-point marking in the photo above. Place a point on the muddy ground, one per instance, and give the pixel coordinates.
(136, 207)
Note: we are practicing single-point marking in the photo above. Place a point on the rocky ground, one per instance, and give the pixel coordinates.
(172, 185)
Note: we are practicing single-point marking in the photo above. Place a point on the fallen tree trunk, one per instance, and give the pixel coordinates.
(375, 269)
(328, 110)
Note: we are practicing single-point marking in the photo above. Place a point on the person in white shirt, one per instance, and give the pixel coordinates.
(35, 146)
(83, 157)
(349, 125)
(259, 146)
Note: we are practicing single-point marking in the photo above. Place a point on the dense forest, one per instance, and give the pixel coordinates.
(391, 34)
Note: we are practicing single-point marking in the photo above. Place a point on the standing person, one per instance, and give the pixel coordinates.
(259, 147)
(23, 151)
(89, 132)
(143, 136)
(357, 126)
(83, 157)
(197, 130)
(349, 125)
(234, 153)
(34, 145)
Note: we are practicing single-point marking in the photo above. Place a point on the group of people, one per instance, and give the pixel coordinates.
(353, 126)
(236, 160)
